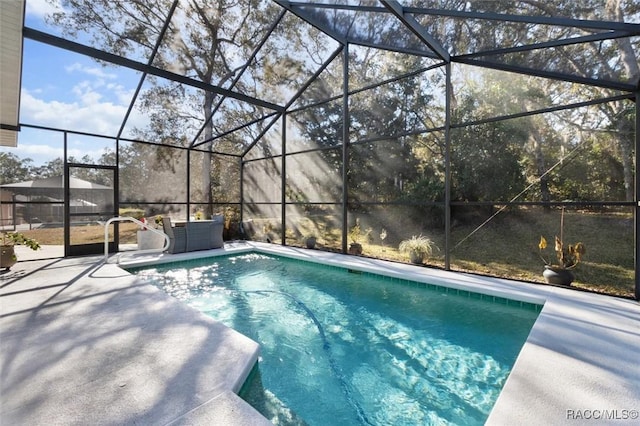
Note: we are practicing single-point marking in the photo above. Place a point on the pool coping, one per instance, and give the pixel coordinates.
(579, 363)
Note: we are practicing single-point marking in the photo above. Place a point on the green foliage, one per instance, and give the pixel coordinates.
(356, 234)
(12, 238)
(14, 169)
(485, 162)
(428, 187)
(595, 174)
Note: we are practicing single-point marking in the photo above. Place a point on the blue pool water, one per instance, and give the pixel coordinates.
(344, 348)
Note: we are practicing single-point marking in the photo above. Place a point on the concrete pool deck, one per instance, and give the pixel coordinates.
(83, 343)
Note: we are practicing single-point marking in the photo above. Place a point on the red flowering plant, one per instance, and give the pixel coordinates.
(144, 227)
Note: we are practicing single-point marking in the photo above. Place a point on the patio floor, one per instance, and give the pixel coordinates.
(83, 343)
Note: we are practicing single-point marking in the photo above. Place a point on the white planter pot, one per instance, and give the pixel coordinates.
(149, 240)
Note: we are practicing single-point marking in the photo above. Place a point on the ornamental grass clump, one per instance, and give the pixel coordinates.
(418, 248)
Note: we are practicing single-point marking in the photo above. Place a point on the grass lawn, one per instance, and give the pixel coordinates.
(83, 234)
(506, 247)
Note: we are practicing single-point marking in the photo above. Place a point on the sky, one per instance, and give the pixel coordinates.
(64, 90)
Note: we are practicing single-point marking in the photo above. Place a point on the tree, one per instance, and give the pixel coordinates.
(213, 43)
(14, 169)
(612, 60)
(206, 41)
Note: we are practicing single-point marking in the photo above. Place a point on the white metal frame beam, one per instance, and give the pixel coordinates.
(11, 22)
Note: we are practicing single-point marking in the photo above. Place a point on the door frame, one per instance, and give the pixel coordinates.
(94, 248)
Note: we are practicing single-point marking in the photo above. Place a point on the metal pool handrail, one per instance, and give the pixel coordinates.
(167, 242)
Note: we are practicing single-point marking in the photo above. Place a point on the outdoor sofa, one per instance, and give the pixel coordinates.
(193, 235)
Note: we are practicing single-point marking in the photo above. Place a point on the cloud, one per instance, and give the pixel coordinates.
(84, 92)
(93, 71)
(39, 150)
(41, 153)
(42, 8)
(123, 95)
(102, 85)
(87, 113)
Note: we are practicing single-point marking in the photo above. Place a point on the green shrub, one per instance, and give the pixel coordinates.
(132, 212)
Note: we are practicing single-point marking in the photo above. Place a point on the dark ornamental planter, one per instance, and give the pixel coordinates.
(559, 276)
(355, 248)
(311, 242)
(416, 257)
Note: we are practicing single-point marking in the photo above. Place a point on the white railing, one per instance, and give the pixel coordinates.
(167, 242)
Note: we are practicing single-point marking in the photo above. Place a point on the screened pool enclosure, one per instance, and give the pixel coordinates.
(482, 126)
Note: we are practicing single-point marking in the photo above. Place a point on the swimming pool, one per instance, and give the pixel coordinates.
(350, 348)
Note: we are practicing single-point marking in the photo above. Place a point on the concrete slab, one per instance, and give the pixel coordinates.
(228, 409)
(25, 254)
(83, 343)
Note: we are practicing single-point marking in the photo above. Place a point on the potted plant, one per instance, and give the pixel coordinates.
(418, 248)
(568, 258)
(355, 234)
(8, 256)
(310, 241)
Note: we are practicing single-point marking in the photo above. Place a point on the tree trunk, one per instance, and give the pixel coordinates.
(624, 140)
(625, 129)
(206, 158)
(541, 166)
